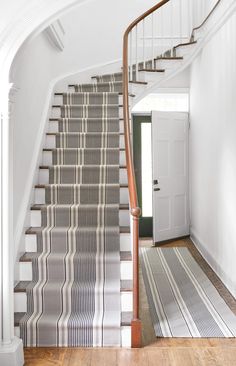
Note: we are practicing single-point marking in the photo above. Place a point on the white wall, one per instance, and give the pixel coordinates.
(213, 152)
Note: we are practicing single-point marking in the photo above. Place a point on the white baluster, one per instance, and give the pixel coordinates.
(180, 22)
(130, 57)
(152, 20)
(144, 44)
(171, 27)
(162, 29)
(190, 18)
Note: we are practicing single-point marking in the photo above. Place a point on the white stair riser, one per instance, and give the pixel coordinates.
(58, 99)
(126, 271)
(184, 50)
(53, 126)
(150, 76)
(20, 301)
(168, 64)
(31, 242)
(47, 158)
(125, 335)
(136, 88)
(56, 112)
(39, 195)
(35, 218)
(44, 176)
(51, 142)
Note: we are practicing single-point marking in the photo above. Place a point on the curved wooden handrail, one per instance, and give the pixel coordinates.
(134, 208)
(207, 17)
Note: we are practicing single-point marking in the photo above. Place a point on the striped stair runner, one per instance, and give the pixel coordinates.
(74, 298)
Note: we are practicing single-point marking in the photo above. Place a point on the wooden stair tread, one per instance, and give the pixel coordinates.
(48, 166)
(174, 58)
(69, 148)
(27, 256)
(125, 286)
(99, 83)
(59, 118)
(42, 186)
(185, 44)
(125, 256)
(126, 317)
(37, 207)
(21, 286)
(34, 231)
(61, 94)
(152, 70)
(58, 133)
(94, 105)
(138, 82)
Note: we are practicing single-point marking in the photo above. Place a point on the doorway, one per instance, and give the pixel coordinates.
(162, 214)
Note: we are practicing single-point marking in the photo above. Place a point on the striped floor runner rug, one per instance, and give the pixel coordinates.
(183, 302)
(74, 298)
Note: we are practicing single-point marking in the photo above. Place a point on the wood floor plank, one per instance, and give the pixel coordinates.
(47, 356)
(80, 357)
(103, 357)
(132, 357)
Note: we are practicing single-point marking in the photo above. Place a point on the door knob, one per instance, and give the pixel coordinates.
(157, 189)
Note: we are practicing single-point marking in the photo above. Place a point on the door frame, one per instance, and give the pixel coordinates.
(145, 223)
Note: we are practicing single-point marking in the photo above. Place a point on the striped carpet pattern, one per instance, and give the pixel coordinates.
(74, 298)
(183, 302)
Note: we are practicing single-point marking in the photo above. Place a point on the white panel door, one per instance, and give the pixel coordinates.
(170, 175)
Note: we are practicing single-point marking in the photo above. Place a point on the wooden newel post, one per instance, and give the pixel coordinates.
(136, 326)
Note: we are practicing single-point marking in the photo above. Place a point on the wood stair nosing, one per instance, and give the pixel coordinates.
(52, 149)
(138, 82)
(62, 105)
(37, 207)
(61, 94)
(125, 256)
(125, 286)
(58, 133)
(174, 58)
(48, 166)
(33, 231)
(59, 118)
(126, 318)
(43, 186)
(152, 70)
(185, 44)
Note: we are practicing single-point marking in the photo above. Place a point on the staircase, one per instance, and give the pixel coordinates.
(79, 273)
(76, 274)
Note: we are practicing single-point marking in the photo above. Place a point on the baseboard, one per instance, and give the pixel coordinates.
(12, 354)
(227, 281)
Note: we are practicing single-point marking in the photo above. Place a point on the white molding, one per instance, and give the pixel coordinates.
(55, 34)
(12, 354)
(201, 247)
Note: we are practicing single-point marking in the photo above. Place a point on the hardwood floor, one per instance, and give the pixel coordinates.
(156, 352)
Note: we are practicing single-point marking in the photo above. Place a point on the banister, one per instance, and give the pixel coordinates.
(134, 209)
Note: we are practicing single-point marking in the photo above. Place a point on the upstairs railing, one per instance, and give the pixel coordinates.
(151, 36)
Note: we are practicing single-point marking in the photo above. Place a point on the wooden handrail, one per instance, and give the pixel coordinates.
(207, 17)
(134, 208)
